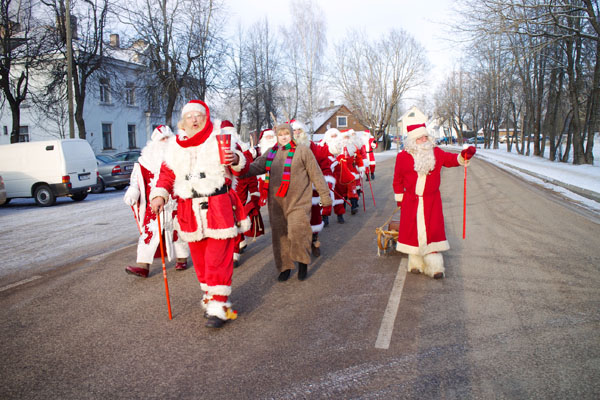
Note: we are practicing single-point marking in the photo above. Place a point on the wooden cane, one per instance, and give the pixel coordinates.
(164, 268)
(465, 204)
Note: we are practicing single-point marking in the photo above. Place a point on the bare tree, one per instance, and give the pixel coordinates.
(23, 43)
(306, 40)
(373, 76)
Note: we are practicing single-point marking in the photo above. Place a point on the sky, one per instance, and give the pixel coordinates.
(105, 223)
(426, 21)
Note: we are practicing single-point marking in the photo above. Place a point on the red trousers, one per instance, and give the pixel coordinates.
(213, 261)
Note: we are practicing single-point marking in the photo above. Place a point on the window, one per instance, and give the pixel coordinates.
(23, 134)
(104, 91)
(130, 93)
(107, 136)
(131, 136)
(342, 122)
(5, 130)
(412, 114)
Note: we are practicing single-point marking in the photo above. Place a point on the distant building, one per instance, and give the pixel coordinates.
(334, 116)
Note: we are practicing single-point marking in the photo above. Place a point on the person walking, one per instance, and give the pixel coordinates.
(417, 175)
(290, 172)
(210, 214)
(142, 181)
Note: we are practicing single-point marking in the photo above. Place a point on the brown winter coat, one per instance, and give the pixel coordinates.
(290, 215)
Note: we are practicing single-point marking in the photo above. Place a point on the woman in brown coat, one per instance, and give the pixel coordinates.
(291, 171)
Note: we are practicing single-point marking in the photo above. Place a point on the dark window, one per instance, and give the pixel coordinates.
(342, 122)
(131, 136)
(130, 93)
(104, 90)
(107, 136)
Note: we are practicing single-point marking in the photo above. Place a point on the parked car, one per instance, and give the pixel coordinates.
(45, 170)
(480, 139)
(112, 173)
(131, 155)
(2, 191)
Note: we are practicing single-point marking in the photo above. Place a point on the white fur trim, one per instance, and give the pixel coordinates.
(415, 262)
(316, 201)
(330, 179)
(236, 256)
(421, 227)
(430, 248)
(256, 194)
(434, 263)
(398, 196)
(217, 309)
(219, 290)
(159, 192)
(420, 185)
(243, 244)
(204, 288)
(338, 201)
(334, 164)
(317, 228)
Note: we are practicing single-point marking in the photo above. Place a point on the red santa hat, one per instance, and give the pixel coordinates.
(197, 106)
(226, 124)
(267, 131)
(161, 132)
(298, 125)
(416, 131)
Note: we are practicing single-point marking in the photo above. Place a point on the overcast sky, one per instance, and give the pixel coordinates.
(426, 21)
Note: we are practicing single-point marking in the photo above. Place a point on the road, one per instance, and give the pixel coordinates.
(517, 316)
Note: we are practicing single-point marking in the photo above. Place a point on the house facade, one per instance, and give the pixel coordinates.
(334, 116)
(116, 114)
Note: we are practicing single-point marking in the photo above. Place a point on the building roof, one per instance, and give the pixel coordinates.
(323, 115)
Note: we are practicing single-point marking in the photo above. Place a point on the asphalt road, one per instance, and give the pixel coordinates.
(517, 316)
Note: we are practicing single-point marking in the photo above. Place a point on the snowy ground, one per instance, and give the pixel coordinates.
(38, 238)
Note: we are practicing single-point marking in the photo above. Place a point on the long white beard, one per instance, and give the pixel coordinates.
(266, 144)
(302, 138)
(153, 155)
(424, 157)
(347, 144)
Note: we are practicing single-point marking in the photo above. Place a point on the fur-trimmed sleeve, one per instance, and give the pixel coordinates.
(164, 185)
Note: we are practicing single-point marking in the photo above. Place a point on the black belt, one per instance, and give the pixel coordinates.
(222, 190)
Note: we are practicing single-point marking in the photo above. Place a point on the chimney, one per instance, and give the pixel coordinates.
(114, 40)
(331, 103)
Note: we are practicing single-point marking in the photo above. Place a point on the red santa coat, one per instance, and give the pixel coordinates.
(421, 220)
(206, 207)
(324, 160)
(370, 152)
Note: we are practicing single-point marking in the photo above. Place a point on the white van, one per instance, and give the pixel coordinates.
(47, 169)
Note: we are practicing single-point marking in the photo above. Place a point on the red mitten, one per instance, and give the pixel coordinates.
(468, 153)
(326, 211)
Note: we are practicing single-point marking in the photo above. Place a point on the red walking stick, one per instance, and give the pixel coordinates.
(465, 204)
(162, 256)
(371, 187)
(136, 220)
(362, 186)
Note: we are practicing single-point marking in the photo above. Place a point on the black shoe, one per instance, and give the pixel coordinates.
(325, 220)
(236, 263)
(340, 219)
(316, 251)
(284, 276)
(214, 322)
(372, 176)
(354, 210)
(302, 269)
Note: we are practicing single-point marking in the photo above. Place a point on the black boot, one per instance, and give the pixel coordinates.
(284, 276)
(372, 176)
(340, 219)
(325, 220)
(354, 208)
(214, 322)
(302, 269)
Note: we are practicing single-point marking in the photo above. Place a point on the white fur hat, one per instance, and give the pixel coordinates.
(298, 125)
(160, 132)
(416, 131)
(195, 105)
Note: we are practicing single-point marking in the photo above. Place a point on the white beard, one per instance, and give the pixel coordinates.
(424, 157)
(347, 144)
(153, 154)
(266, 144)
(302, 138)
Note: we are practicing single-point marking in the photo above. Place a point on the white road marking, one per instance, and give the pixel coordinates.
(24, 281)
(389, 316)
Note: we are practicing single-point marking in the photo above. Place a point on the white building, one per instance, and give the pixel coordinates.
(116, 118)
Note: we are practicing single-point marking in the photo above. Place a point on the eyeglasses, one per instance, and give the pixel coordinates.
(195, 116)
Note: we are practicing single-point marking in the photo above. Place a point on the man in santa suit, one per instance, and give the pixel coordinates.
(370, 145)
(346, 173)
(317, 211)
(142, 181)
(209, 214)
(417, 190)
(329, 144)
(359, 161)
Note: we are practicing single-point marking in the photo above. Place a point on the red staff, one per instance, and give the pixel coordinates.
(136, 220)
(162, 256)
(371, 187)
(466, 155)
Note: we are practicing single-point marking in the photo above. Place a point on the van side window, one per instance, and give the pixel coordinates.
(107, 136)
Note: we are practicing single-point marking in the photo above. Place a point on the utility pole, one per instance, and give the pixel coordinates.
(69, 67)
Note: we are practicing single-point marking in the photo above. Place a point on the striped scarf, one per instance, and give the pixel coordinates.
(287, 169)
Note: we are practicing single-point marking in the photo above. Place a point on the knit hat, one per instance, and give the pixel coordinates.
(195, 105)
(161, 132)
(416, 131)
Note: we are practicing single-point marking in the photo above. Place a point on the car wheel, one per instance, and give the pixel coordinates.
(120, 187)
(79, 196)
(6, 202)
(43, 196)
(99, 188)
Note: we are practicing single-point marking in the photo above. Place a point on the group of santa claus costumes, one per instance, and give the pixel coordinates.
(352, 159)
